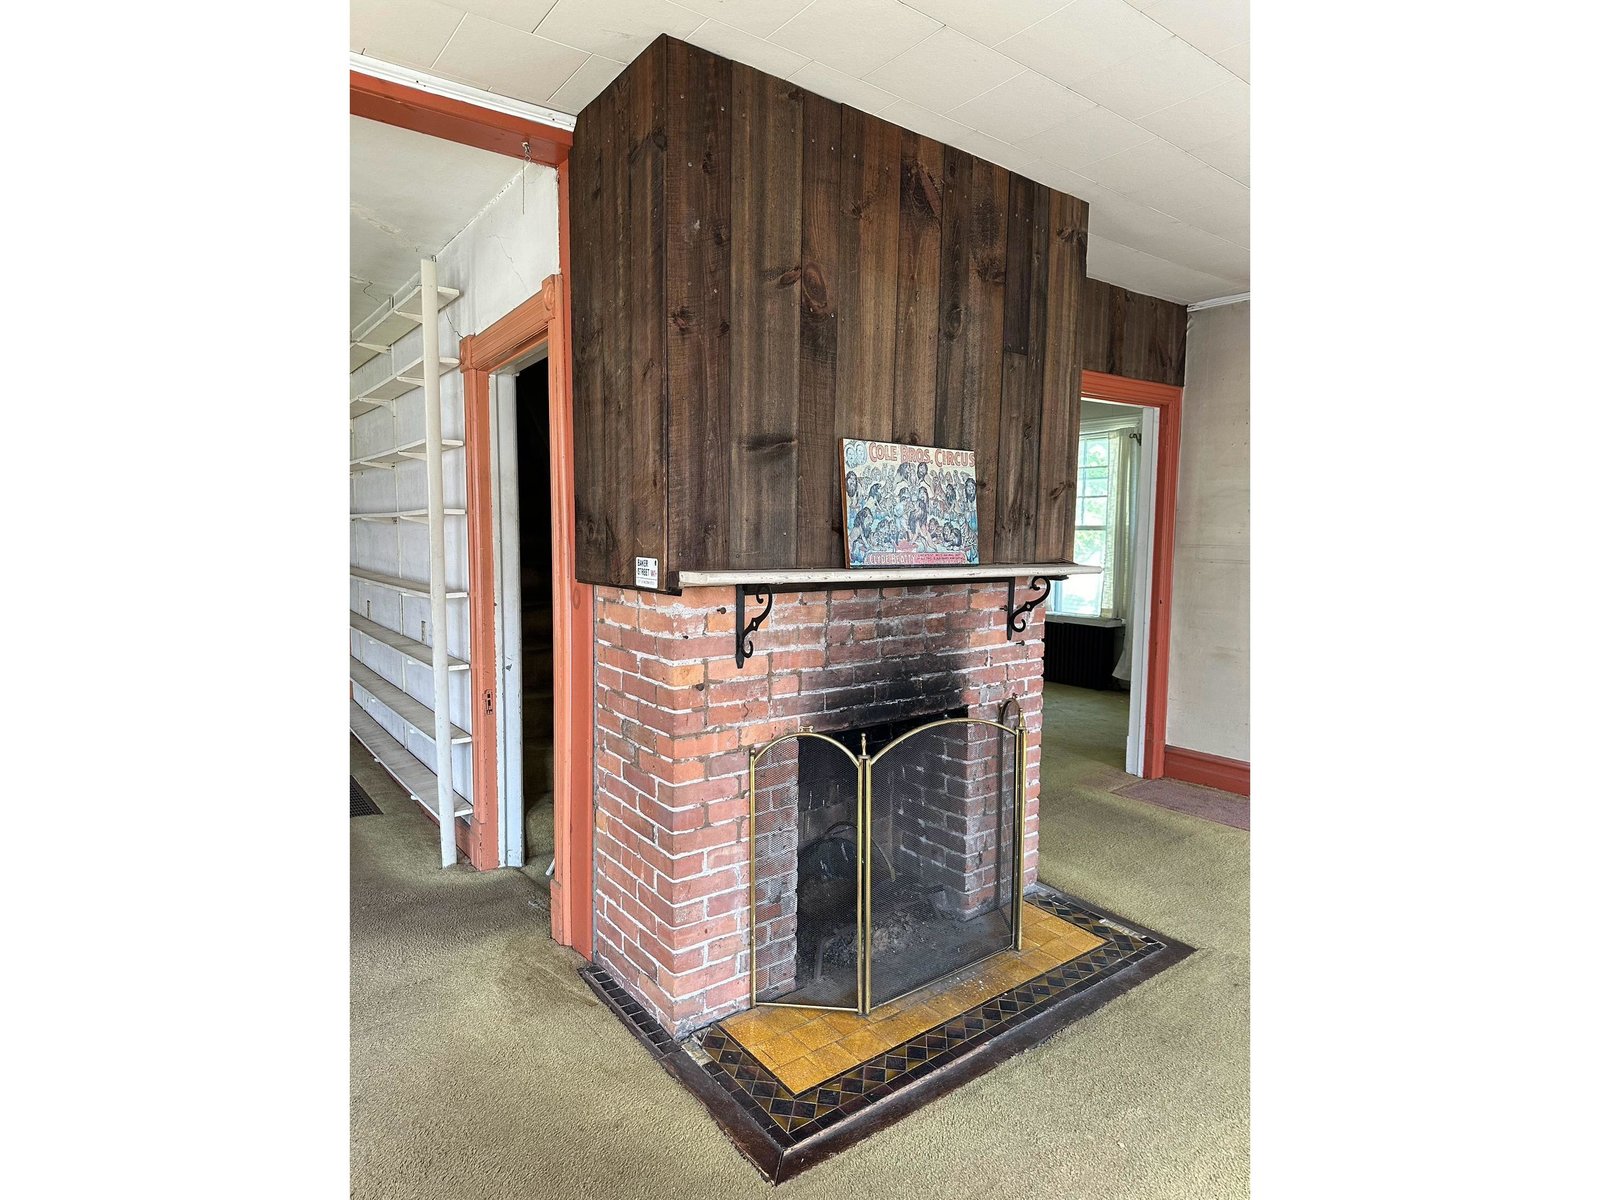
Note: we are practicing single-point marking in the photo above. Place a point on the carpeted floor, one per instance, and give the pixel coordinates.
(1090, 724)
(482, 1067)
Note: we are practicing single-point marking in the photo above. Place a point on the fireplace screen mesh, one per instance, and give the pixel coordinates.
(877, 871)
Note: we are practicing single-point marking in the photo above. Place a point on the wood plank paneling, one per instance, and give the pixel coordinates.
(640, 417)
(764, 342)
(591, 505)
(1066, 253)
(817, 537)
(916, 347)
(869, 253)
(972, 281)
(760, 271)
(1137, 336)
(699, 127)
(1022, 369)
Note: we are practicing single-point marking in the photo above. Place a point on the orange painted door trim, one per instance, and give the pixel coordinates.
(1168, 401)
(1209, 770)
(456, 120)
(543, 319)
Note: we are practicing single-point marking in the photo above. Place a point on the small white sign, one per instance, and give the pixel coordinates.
(646, 573)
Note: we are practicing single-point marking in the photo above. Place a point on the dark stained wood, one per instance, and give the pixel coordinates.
(1022, 369)
(759, 271)
(869, 252)
(1140, 337)
(699, 131)
(592, 509)
(817, 537)
(764, 342)
(972, 281)
(1066, 253)
(916, 349)
(641, 415)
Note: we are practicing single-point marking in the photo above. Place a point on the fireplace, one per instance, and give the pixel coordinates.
(883, 859)
(926, 680)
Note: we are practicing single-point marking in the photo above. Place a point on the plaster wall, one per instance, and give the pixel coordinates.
(1209, 697)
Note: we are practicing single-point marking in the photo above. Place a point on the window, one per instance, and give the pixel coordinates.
(1107, 461)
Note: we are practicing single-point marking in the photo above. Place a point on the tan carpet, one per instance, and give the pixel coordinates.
(482, 1067)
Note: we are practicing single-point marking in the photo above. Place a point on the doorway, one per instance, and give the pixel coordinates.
(524, 614)
(1095, 625)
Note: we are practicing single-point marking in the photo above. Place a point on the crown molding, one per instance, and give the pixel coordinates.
(1219, 302)
(422, 81)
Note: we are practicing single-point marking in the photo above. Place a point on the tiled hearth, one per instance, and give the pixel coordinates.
(677, 717)
(791, 1086)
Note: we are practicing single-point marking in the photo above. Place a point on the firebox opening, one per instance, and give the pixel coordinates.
(941, 870)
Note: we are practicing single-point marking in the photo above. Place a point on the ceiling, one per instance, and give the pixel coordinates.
(393, 222)
(1141, 107)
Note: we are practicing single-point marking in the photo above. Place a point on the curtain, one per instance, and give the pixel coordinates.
(1125, 487)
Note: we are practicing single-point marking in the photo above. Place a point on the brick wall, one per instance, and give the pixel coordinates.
(675, 720)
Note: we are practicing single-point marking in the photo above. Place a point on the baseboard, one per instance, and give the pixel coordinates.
(1208, 770)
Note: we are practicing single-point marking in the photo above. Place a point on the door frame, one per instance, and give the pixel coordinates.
(541, 321)
(1168, 402)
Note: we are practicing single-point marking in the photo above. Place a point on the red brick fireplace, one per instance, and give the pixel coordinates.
(677, 718)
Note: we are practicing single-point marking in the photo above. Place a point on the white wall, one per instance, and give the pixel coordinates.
(498, 261)
(1209, 696)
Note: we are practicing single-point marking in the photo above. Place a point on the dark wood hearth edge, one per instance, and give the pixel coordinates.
(778, 1164)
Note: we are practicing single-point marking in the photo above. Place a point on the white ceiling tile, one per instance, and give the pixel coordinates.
(1047, 173)
(584, 84)
(944, 70)
(1020, 107)
(1083, 39)
(988, 21)
(1213, 255)
(508, 61)
(1236, 59)
(1133, 224)
(1208, 117)
(1206, 187)
(975, 141)
(519, 14)
(407, 32)
(1208, 25)
(1230, 155)
(1126, 267)
(1170, 71)
(846, 89)
(747, 48)
(1119, 219)
(1085, 137)
(1228, 221)
(919, 120)
(1140, 166)
(855, 36)
(758, 17)
(618, 29)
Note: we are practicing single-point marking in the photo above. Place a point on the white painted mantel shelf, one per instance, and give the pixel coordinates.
(909, 576)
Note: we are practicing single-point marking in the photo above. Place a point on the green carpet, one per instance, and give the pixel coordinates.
(482, 1067)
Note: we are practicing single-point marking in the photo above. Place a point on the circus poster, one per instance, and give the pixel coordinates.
(908, 506)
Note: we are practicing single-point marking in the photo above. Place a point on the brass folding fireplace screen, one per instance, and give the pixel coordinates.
(879, 871)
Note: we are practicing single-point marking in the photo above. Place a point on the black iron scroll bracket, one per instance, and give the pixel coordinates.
(743, 633)
(1017, 615)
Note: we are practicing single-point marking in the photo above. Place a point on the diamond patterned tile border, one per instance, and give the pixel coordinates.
(790, 1118)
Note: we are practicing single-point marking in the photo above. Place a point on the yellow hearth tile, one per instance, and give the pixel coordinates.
(803, 1047)
(814, 1033)
(780, 1049)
